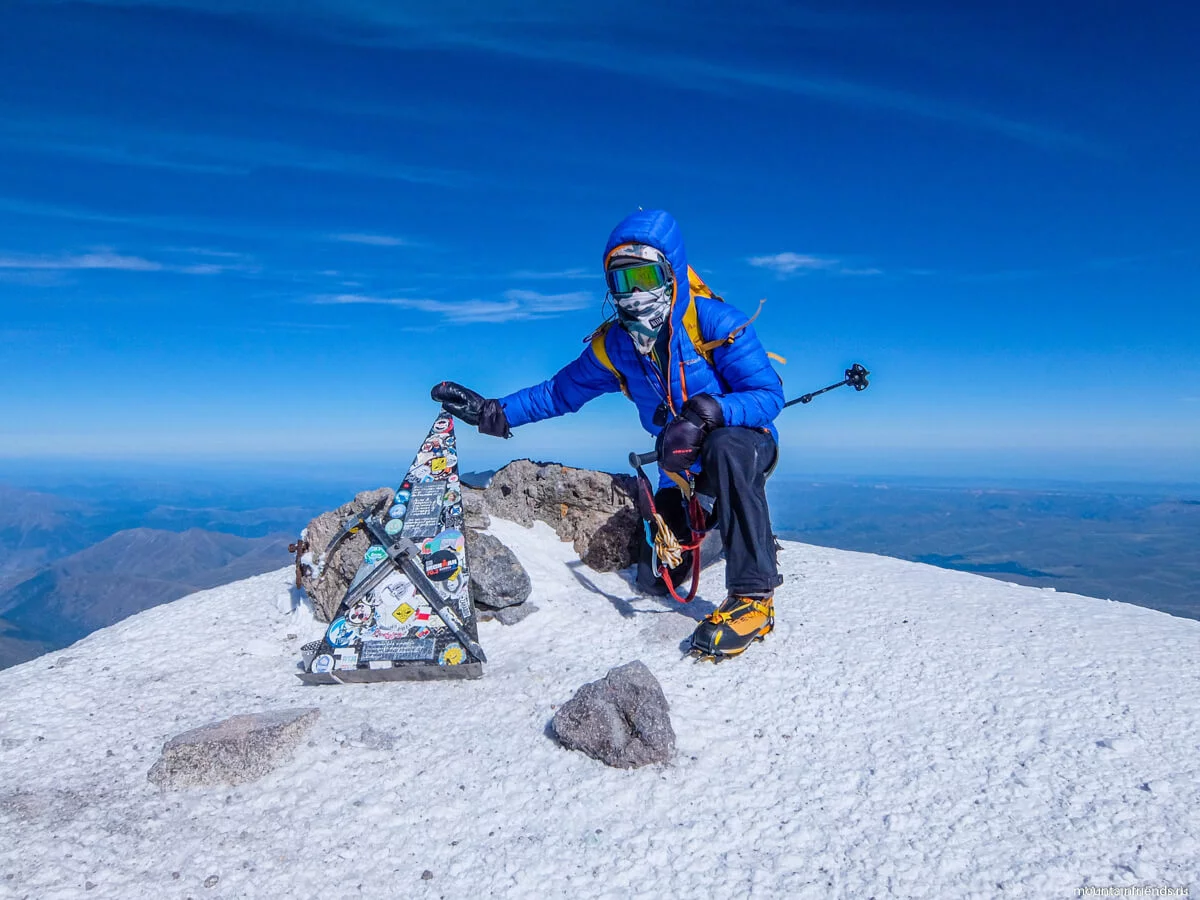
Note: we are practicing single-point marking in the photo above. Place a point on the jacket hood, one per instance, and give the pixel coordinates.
(658, 229)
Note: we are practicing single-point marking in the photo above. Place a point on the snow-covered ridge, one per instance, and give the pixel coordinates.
(906, 731)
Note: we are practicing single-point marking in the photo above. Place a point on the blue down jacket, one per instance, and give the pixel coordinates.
(741, 377)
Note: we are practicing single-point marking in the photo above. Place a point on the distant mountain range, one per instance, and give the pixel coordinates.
(128, 572)
(64, 573)
(35, 529)
(1137, 547)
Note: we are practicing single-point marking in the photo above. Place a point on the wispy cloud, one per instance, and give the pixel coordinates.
(550, 302)
(104, 258)
(113, 142)
(561, 275)
(198, 228)
(525, 29)
(785, 264)
(100, 259)
(516, 305)
(210, 252)
(788, 263)
(371, 240)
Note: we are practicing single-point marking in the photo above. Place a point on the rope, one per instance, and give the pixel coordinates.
(666, 545)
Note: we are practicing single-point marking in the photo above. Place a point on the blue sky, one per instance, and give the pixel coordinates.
(233, 231)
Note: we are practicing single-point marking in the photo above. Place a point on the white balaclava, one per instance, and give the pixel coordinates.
(643, 313)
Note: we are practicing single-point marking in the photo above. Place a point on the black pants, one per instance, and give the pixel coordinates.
(735, 462)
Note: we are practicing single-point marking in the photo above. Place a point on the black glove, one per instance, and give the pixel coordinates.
(469, 406)
(679, 444)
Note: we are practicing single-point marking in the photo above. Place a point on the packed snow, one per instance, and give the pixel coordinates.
(905, 732)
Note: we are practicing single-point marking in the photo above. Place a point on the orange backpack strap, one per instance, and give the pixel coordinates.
(597, 339)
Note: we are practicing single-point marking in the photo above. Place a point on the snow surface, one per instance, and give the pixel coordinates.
(905, 732)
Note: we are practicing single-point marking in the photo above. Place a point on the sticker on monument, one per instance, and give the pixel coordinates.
(452, 656)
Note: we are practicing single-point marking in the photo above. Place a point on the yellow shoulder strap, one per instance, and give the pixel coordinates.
(699, 288)
(601, 352)
(691, 322)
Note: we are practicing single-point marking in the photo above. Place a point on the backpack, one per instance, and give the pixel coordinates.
(691, 325)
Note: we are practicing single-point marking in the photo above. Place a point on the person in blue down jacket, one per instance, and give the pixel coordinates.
(711, 419)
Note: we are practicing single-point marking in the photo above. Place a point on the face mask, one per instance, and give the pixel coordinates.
(642, 314)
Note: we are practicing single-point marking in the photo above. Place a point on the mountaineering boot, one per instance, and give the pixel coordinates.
(734, 626)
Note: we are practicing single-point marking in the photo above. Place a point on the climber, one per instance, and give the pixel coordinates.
(703, 386)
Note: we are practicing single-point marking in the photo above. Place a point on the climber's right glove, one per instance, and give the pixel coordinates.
(679, 443)
(472, 408)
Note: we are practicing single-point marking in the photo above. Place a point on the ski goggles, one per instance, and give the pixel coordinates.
(648, 277)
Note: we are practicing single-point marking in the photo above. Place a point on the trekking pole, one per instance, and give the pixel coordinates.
(856, 377)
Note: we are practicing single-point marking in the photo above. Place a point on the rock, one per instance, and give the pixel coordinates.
(474, 508)
(594, 510)
(509, 615)
(427, 875)
(623, 719)
(232, 751)
(497, 577)
(327, 590)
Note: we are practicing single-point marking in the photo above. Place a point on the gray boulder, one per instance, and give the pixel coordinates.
(623, 719)
(326, 586)
(232, 751)
(498, 579)
(474, 509)
(593, 510)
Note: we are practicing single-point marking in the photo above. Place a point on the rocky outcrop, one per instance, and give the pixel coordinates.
(623, 719)
(327, 585)
(593, 510)
(232, 751)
